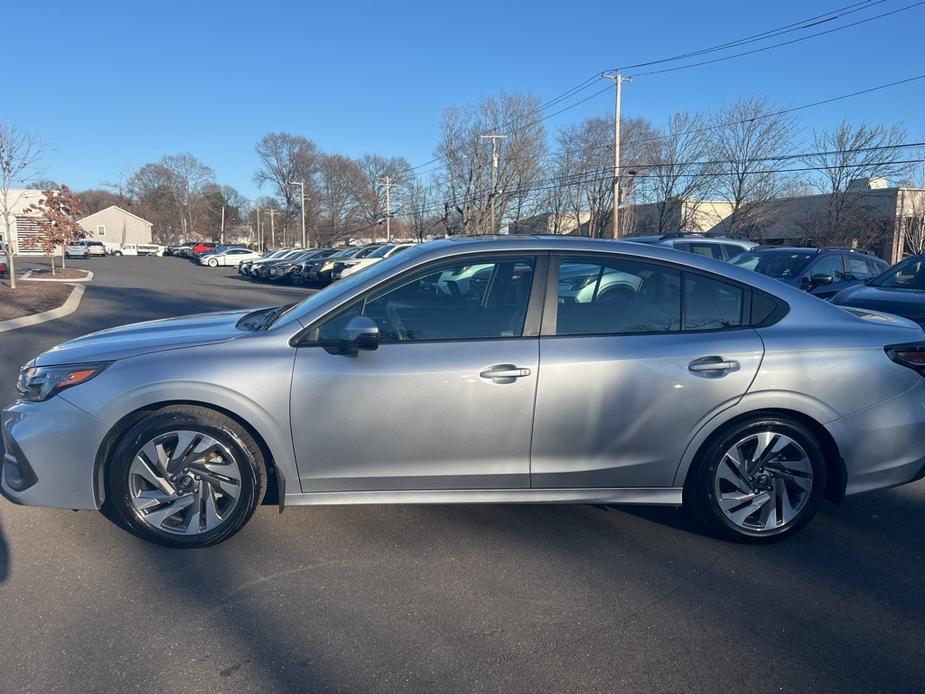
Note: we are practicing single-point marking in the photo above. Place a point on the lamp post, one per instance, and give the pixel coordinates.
(301, 185)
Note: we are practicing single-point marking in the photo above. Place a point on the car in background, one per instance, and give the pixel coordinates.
(353, 266)
(201, 248)
(718, 247)
(4, 261)
(76, 249)
(325, 272)
(280, 271)
(900, 291)
(228, 256)
(703, 385)
(297, 274)
(245, 267)
(822, 272)
(137, 249)
(260, 269)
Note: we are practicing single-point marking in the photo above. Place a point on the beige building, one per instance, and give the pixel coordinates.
(115, 226)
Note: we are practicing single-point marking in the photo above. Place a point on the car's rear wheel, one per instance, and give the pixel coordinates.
(186, 476)
(758, 480)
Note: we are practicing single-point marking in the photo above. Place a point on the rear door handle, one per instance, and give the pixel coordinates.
(712, 366)
(504, 373)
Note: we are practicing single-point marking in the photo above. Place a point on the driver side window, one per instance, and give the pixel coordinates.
(470, 300)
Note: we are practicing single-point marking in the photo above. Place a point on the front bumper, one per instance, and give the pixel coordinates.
(884, 445)
(49, 454)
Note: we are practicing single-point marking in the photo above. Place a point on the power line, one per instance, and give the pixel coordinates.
(778, 45)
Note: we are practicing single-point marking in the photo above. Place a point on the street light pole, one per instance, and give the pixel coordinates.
(618, 81)
(301, 185)
(259, 230)
(272, 227)
(388, 183)
(494, 172)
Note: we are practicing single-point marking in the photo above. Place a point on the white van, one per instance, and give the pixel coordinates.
(137, 249)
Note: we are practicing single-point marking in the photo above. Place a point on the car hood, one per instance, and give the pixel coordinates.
(909, 303)
(142, 338)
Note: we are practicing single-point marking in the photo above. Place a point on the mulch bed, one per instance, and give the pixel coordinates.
(31, 297)
(66, 274)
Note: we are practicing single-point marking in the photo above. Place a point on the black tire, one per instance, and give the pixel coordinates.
(699, 491)
(233, 436)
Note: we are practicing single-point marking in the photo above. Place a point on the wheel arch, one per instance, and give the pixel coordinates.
(836, 475)
(115, 433)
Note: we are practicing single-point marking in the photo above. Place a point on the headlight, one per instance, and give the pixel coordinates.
(39, 383)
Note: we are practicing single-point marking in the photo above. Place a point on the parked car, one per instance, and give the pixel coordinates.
(324, 272)
(900, 291)
(228, 256)
(261, 270)
(201, 248)
(281, 269)
(245, 267)
(180, 249)
(718, 247)
(721, 389)
(297, 274)
(137, 249)
(356, 264)
(822, 272)
(4, 261)
(76, 249)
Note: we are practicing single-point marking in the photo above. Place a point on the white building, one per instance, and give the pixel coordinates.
(22, 224)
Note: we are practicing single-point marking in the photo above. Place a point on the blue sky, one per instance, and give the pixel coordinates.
(112, 85)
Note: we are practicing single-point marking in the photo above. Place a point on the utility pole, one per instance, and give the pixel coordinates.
(222, 234)
(272, 227)
(618, 81)
(301, 185)
(387, 182)
(494, 172)
(259, 230)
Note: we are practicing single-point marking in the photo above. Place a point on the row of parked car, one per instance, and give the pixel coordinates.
(317, 266)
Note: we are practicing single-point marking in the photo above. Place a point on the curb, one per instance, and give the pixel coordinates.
(65, 309)
(27, 276)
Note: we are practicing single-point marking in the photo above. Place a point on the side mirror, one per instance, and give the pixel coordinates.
(360, 333)
(821, 280)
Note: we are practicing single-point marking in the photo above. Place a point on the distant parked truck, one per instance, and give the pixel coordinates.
(135, 249)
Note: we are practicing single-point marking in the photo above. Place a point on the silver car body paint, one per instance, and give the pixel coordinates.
(599, 418)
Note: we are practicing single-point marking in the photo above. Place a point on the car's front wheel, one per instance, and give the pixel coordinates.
(213, 262)
(758, 480)
(186, 476)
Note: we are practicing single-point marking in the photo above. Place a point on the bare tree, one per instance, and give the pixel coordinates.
(745, 137)
(338, 179)
(370, 196)
(189, 179)
(676, 177)
(418, 208)
(151, 189)
(20, 153)
(285, 158)
(846, 159)
(467, 160)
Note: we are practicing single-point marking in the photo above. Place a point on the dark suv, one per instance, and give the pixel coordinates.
(822, 272)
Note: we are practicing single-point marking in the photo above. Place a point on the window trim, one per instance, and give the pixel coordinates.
(551, 309)
(532, 319)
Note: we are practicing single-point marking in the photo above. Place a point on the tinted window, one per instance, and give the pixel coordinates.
(463, 301)
(709, 250)
(858, 269)
(711, 304)
(909, 274)
(829, 265)
(780, 265)
(617, 296)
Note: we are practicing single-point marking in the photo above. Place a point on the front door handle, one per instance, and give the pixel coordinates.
(504, 373)
(712, 366)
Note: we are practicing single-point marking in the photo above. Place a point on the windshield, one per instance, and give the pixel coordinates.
(781, 265)
(909, 274)
(380, 252)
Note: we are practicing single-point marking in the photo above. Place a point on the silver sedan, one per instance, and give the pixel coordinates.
(476, 371)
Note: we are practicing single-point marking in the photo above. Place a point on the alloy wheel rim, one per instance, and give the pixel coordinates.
(763, 482)
(184, 482)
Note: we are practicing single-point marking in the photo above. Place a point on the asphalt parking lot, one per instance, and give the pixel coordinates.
(443, 598)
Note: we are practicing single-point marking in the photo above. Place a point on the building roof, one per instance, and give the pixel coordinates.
(124, 211)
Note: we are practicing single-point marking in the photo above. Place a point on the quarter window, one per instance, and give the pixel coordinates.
(474, 300)
(617, 296)
(710, 304)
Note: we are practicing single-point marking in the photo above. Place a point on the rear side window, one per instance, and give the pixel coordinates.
(710, 304)
(617, 296)
(708, 250)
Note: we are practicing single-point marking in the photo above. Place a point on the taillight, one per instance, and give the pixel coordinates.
(910, 354)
